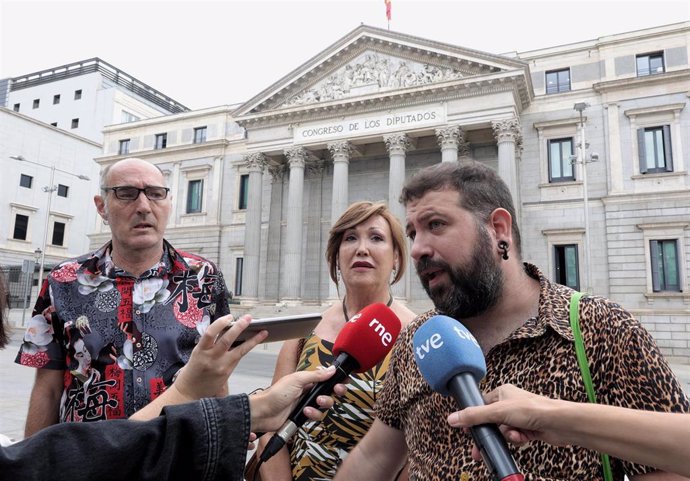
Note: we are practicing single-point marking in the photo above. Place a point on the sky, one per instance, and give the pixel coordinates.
(219, 52)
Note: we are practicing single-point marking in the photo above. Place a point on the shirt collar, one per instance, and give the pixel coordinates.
(170, 262)
(554, 314)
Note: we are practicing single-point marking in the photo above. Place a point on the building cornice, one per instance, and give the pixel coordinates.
(668, 78)
(437, 92)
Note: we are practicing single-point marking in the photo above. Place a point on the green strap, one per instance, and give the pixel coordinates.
(584, 368)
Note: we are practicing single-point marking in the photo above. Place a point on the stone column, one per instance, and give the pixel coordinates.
(255, 163)
(508, 136)
(296, 156)
(448, 139)
(340, 151)
(397, 145)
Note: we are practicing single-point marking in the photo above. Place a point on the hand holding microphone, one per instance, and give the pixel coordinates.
(451, 361)
(363, 342)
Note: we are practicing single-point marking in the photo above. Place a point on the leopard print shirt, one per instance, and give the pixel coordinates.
(626, 366)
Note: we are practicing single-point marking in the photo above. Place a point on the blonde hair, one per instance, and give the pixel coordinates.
(355, 215)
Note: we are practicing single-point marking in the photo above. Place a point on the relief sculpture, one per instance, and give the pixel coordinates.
(378, 72)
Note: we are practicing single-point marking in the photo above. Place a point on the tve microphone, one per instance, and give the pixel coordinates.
(451, 361)
(361, 344)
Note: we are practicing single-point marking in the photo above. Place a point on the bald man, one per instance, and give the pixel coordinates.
(111, 329)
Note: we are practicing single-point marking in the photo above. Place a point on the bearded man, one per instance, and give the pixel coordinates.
(467, 250)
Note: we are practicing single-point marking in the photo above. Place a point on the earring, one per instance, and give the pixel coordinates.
(394, 274)
(503, 246)
(337, 276)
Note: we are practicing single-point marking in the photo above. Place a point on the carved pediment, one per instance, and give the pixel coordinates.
(373, 72)
(375, 63)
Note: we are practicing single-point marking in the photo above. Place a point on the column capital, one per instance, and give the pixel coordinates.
(277, 172)
(507, 130)
(296, 155)
(315, 167)
(255, 162)
(397, 143)
(449, 136)
(340, 150)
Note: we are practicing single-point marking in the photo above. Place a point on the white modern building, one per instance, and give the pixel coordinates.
(51, 131)
(593, 139)
(83, 97)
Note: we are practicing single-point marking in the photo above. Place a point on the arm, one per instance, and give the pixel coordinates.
(278, 468)
(206, 439)
(209, 366)
(380, 455)
(651, 438)
(44, 403)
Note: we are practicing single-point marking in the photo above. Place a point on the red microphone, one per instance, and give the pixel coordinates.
(361, 344)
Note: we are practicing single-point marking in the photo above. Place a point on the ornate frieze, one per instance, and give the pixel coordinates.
(371, 72)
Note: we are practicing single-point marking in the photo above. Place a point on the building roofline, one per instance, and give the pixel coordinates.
(109, 71)
(49, 127)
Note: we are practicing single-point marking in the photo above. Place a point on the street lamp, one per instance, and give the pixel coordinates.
(49, 189)
(582, 159)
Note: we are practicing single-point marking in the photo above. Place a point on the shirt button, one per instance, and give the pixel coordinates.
(139, 380)
(138, 311)
(134, 339)
(138, 344)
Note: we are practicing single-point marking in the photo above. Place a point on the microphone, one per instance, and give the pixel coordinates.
(451, 361)
(361, 344)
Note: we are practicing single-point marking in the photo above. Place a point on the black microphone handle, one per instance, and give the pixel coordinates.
(344, 365)
(487, 437)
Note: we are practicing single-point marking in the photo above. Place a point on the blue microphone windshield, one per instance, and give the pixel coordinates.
(444, 348)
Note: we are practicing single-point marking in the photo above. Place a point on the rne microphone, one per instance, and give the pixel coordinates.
(362, 343)
(451, 361)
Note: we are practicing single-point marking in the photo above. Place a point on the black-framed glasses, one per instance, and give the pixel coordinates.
(128, 192)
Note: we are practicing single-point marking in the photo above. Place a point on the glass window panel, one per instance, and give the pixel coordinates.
(555, 161)
(566, 152)
(670, 262)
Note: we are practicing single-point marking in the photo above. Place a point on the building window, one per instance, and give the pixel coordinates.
(200, 135)
(124, 147)
(16, 107)
(37, 103)
(195, 190)
(77, 94)
(566, 265)
(665, 269)
(21, 226)
(654, 146)
(558, 81)
(26, 181)
(54, 124)
(75, 123)
(560, 165)
(62, 190)
(239, 264)
(650, 64)
(56, 99)
(127, 117)
(58, 233)
(161, 141)
(244, 189)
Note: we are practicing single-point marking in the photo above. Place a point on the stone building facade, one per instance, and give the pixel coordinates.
(258, 185)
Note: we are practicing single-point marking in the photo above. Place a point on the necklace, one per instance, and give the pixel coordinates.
(347, 317)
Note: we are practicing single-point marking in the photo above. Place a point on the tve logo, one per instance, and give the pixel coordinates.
(435, 341)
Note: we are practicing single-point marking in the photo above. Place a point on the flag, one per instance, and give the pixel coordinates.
(388, 9)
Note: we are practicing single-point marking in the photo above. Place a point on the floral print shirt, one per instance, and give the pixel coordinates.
(120, 339)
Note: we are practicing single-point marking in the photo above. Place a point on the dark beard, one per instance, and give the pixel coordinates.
(474, 288)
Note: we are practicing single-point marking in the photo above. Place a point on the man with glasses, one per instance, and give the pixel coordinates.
(111, 329)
